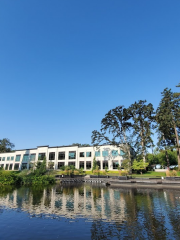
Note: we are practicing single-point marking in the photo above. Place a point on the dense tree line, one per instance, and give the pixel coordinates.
(133, 127)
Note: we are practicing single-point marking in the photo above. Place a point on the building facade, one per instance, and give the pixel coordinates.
(80, 157)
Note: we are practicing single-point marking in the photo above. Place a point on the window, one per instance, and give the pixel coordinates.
(97, 154)
(24, 166)
(71, 164)
(115, 164)
(88, 154)
(81, 154)
(122, 152)
(7, 165)
(25, 157)
(52, 156)
(31, 165)
(114, 153)
(60, 164)
(18, 157)
(16, 166)
(41, 156)
(105, 164)
(72, 155)
(8, 158)
(2, 165)
(88, 165)
(81, 164)
(61, 156)
(99, 164)
(12, 158)
(105, 153)
(0, 158)
(10, 166)
(32, 157)
(3, 159)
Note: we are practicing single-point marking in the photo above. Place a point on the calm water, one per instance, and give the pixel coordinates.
(89, 212)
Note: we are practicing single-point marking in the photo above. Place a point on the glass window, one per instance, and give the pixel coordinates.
(24, 166)
(71, 164)
(72, 155)
(60, 164)
(88, 154)
(25, 157)
(52, 156)
(114, 153)
(0, 158)
(18, 157)
(2, 165)
(12, 158)
(81, 164)
(99, 164)
(105, 153)
(33, 157)
(16, 166)
(105, 164)
(122, 152)
(81, 154)
(31, 165)
(41, 156)
(3, 159)
(10, 166)
(7, 165)
(88, 165)
(115, 164)
(8, 158)
(61, 156)
(97, 154)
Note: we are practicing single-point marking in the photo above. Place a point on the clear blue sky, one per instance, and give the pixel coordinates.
(64, 64)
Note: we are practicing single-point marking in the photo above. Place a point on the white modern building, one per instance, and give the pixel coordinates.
(80, 157)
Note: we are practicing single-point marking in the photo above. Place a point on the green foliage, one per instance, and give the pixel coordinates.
(168, 121)
(123, 173)
(6, 145)
(143, 123)
(94, 164)
(115, 127)
(35, 180)
(126, 164)
(139, 166)
(40, 168)
(160, 158)
(9, 178)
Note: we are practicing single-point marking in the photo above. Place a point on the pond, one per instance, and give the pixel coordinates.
(89, 212)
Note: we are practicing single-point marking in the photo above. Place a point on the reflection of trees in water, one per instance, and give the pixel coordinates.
(100, 230)
(37, 194)
(4, 190)
(96, 191)
(118, 213)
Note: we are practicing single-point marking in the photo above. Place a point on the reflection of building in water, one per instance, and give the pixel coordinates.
(71, 202)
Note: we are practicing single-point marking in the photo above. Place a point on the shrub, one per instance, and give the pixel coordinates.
(171, 173)
(123, 173)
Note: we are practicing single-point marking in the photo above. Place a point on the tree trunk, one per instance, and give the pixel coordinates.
(177, 142)
(167, 158)
(142, 144)
(128, 150)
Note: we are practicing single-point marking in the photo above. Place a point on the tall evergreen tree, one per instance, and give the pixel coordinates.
(168, 119)
(143, 119)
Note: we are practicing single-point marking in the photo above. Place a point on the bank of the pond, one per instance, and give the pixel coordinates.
(23, 178)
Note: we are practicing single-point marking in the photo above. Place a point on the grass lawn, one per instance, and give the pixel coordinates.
(116, 173)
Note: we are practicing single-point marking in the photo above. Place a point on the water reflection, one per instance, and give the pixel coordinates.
(113, 213)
